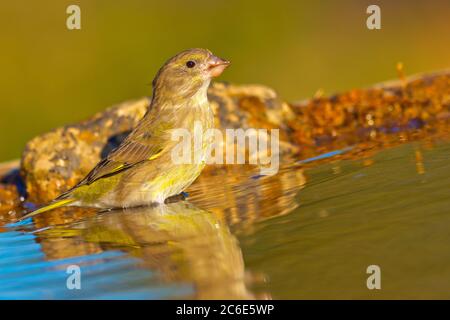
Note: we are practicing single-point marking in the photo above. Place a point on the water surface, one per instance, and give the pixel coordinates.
(309, 232)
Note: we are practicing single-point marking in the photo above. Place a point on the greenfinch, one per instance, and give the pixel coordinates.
(141, 171)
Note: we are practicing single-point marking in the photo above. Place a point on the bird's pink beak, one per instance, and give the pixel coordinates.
(216, 66)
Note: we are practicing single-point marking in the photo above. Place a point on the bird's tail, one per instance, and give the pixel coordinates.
(53, 205)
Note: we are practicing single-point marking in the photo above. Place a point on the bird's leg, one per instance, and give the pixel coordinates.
(179, 197)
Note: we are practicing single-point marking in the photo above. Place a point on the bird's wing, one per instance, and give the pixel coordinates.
(126, 156)
(147, 142)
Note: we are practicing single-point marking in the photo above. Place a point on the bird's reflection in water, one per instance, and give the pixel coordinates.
(182, 243)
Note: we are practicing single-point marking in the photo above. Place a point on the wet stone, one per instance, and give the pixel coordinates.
(9, 197)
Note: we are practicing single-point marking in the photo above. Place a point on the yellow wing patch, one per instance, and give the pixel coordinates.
(120, 166)
(156, 155)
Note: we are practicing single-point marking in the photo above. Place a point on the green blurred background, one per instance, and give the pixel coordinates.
(52, 76)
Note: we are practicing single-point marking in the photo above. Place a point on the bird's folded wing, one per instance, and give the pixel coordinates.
(129, 154)
(146, 143)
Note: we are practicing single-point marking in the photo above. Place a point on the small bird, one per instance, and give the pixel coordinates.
(140, 171)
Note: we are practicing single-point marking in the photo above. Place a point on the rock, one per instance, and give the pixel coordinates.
(55, 161)
(9, 197)
(413, 108)
(6, 168)
(385, 114)
(9, 190)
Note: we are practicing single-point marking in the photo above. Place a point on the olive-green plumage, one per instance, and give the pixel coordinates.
(141, 170)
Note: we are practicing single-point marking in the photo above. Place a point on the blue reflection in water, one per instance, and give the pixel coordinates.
(25, 274)
(325, 155)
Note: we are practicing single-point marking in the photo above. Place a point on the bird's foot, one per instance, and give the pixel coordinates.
(179, 197)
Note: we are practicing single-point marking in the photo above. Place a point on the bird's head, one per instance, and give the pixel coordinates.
(188, 72)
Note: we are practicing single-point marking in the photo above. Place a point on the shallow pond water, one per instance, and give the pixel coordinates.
(308, 232)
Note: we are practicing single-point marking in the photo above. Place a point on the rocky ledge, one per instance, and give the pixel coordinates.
(53, 162)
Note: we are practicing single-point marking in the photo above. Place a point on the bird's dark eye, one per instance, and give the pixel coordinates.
(190, 64)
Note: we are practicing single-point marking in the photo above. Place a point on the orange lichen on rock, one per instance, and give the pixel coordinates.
(384, 112)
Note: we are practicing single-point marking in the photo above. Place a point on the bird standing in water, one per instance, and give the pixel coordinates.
(141, 170)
